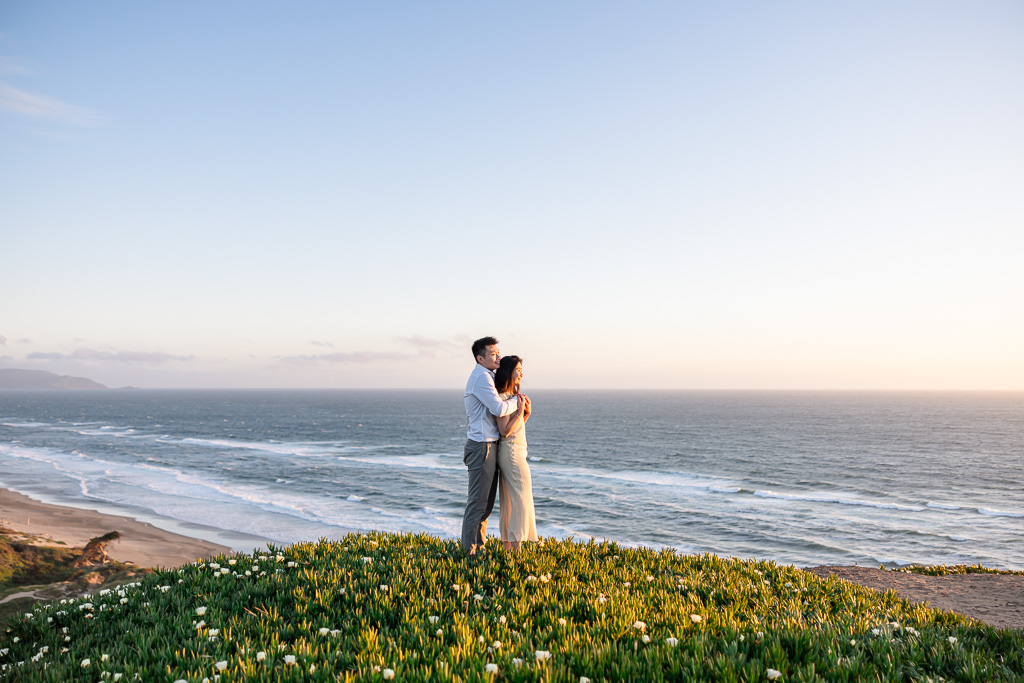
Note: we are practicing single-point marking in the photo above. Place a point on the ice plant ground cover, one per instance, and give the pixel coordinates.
(412, 608)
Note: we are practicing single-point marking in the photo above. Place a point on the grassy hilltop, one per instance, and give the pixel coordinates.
(411, 608)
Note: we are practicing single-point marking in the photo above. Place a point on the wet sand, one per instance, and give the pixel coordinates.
(140, 542)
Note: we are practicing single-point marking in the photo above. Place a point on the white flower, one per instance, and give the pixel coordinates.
(433, 619)
(440, 632)
(640, 626)
(650, 578)
(104, 658)
(456, 586)
(853, 642)
(117, 677)
(531, 577)
(876, 631)
(626, 584)
(491, 668)
(200, 611)
(164, 589)
(312, 668)
(478, 597)
(383, 588)
(85, 662)
(324, 631)
(289, 659)
(388, 674)
(105, 591)
(542, 655)
(952, 640)
(671, 642)
(279, 558)
(335, 632)
(214, 631)
(201, 624)
(545, 577)
(502, 619)
(517, 662)
(291, 564)
(695, 618)
(496, 645)
(584, 679)
(260, 656)
(646, 638)
(232, 561)
(221, 665)
(367, 560)
(561, 621)
(773, 674)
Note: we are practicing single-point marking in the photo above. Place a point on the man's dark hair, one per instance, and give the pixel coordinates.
(480, 344)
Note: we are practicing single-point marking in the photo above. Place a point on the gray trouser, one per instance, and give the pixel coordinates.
(482, 462)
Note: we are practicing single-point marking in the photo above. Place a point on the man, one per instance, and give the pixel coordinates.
(481, 454)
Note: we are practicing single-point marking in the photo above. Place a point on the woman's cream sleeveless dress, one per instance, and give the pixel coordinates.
(518, 520)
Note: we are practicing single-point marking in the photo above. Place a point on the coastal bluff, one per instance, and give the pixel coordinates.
(12, 378)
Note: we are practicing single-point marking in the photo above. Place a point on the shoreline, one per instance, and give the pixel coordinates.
(141, 543)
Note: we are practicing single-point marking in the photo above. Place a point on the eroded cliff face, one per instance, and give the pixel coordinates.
(12, 378)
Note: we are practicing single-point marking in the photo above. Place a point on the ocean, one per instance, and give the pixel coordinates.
(802, 478)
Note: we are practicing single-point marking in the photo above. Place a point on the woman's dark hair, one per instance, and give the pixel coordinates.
(503, 380)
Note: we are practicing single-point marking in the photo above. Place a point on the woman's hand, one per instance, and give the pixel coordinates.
(527, 407)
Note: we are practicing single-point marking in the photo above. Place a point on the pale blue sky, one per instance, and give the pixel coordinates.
(653, 194)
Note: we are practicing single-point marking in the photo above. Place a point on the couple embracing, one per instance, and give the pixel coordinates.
(496, 450)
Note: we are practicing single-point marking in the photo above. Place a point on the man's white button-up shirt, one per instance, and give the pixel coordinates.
(483, 405)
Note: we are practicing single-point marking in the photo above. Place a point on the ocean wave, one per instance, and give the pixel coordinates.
(944, 506)
(811, 498)
(429, 461)
(657, 478)
(999, 513)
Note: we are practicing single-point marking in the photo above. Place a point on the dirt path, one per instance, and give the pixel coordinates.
(996, 599)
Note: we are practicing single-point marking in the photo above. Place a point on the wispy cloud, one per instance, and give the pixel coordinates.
(355, 357)
(320, 343)
(40, 106)
(154, 357)
(429, 347)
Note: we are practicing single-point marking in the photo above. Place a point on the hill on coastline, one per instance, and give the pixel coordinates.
(12, 378)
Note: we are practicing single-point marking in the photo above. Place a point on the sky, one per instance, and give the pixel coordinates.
(646, 195)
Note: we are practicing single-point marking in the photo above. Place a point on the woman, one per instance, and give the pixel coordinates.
(518, 520)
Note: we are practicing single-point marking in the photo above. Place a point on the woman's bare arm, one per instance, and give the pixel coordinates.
(510, 423)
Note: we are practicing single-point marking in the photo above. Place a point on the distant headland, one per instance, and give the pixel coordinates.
(11, 378)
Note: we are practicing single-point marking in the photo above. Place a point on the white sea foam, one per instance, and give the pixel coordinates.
(944, 506)
(999, 513)
(430, 461)
(813, 498)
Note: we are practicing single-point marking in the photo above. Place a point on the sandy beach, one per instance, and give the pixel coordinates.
(140, 543)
